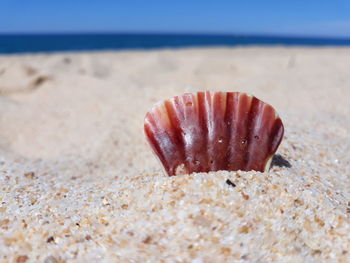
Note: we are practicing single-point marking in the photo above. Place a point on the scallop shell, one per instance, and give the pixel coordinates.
(211, 131)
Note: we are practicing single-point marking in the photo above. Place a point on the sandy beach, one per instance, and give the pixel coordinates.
(80, 184)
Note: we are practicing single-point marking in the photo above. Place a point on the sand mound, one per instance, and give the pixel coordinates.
(79, 184)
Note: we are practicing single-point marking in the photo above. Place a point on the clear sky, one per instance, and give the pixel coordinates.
(287, 17)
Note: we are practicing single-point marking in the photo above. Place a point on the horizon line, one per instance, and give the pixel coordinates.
(186, 33)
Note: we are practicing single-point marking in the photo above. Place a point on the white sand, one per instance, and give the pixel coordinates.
(79, 183)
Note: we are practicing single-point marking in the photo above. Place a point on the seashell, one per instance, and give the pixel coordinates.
(211, 131)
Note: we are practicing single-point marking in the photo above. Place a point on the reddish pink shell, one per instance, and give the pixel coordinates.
(211, 131)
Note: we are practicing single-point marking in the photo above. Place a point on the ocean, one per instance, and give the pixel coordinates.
(33, 43)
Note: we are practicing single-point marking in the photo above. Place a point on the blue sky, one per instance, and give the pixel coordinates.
(287, 17)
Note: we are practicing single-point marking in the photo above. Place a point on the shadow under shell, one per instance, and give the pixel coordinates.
(212, 131)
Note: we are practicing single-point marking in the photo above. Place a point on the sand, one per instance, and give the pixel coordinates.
(80, 184)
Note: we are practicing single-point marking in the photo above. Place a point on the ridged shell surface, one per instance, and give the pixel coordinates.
(211, 131)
